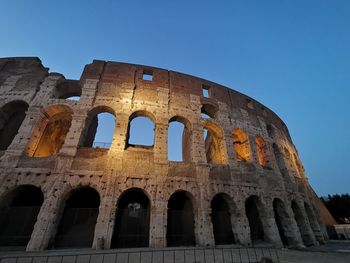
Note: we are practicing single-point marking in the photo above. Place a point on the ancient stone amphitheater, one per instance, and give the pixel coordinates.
(240, 180)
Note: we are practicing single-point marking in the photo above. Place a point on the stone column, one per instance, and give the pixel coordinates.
(71, 142)
(292, 231)
(161, 142)
(104, 224)
(88, 93)
(158, 222)
(304, 226)
(203, 225)
(20, 142)
(198, 144)
(46, 90)
(240, 224)
(314, 225)
(317, 214)
(231, 154)
(120, 132)
(270, 227)
(47, 220)
(254, 154)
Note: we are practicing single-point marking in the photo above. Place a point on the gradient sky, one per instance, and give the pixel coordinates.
(292, 56)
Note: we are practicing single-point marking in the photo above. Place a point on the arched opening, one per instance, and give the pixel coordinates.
(281, 218)
(208, 111)
(18, 214)
(68, 90)
(262, 150)
(132, 220)
(180, 227)
(299, 218)
(77, 225)
(141, 130)
(179, 140)
(215, 149)
(99, 128)
(50, 132)
(252, 212)
(221, 219)
(241, 145)
(11, 117)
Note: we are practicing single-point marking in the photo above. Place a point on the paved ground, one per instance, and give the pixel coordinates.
(292, 256)
(332, 252)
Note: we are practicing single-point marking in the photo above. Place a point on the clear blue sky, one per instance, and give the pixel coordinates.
(293, 56)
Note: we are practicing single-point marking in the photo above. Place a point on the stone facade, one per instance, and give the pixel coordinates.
(248, 158)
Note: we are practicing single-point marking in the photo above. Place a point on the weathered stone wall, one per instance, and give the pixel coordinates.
(118, 88)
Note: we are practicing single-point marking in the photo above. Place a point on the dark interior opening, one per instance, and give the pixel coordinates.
(77, 226)
(252, 212)
(180, 229)
(19, 214)
(11, 118)
(221, 220)
(132, 221)
(208, 111)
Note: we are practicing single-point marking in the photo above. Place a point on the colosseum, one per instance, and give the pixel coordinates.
(240, 180)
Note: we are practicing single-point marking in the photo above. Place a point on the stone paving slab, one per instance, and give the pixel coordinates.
(179, 255)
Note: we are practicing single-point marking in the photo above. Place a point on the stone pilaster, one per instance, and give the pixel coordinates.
(158, 222)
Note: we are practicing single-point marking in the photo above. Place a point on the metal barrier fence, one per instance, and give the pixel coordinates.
(175, 255)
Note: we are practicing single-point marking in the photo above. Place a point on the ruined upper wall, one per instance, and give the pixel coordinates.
(20, 66)
(117, 74)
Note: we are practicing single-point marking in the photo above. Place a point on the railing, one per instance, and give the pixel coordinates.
(16, 225)
(343, 231)
(104, 145)
(168, 255)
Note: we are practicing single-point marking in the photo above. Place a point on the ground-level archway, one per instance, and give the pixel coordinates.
(281, 218)
(77, 225)
(254, 218)
(18, 214)
(180, 227)
(221, 219)
(132, 220)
